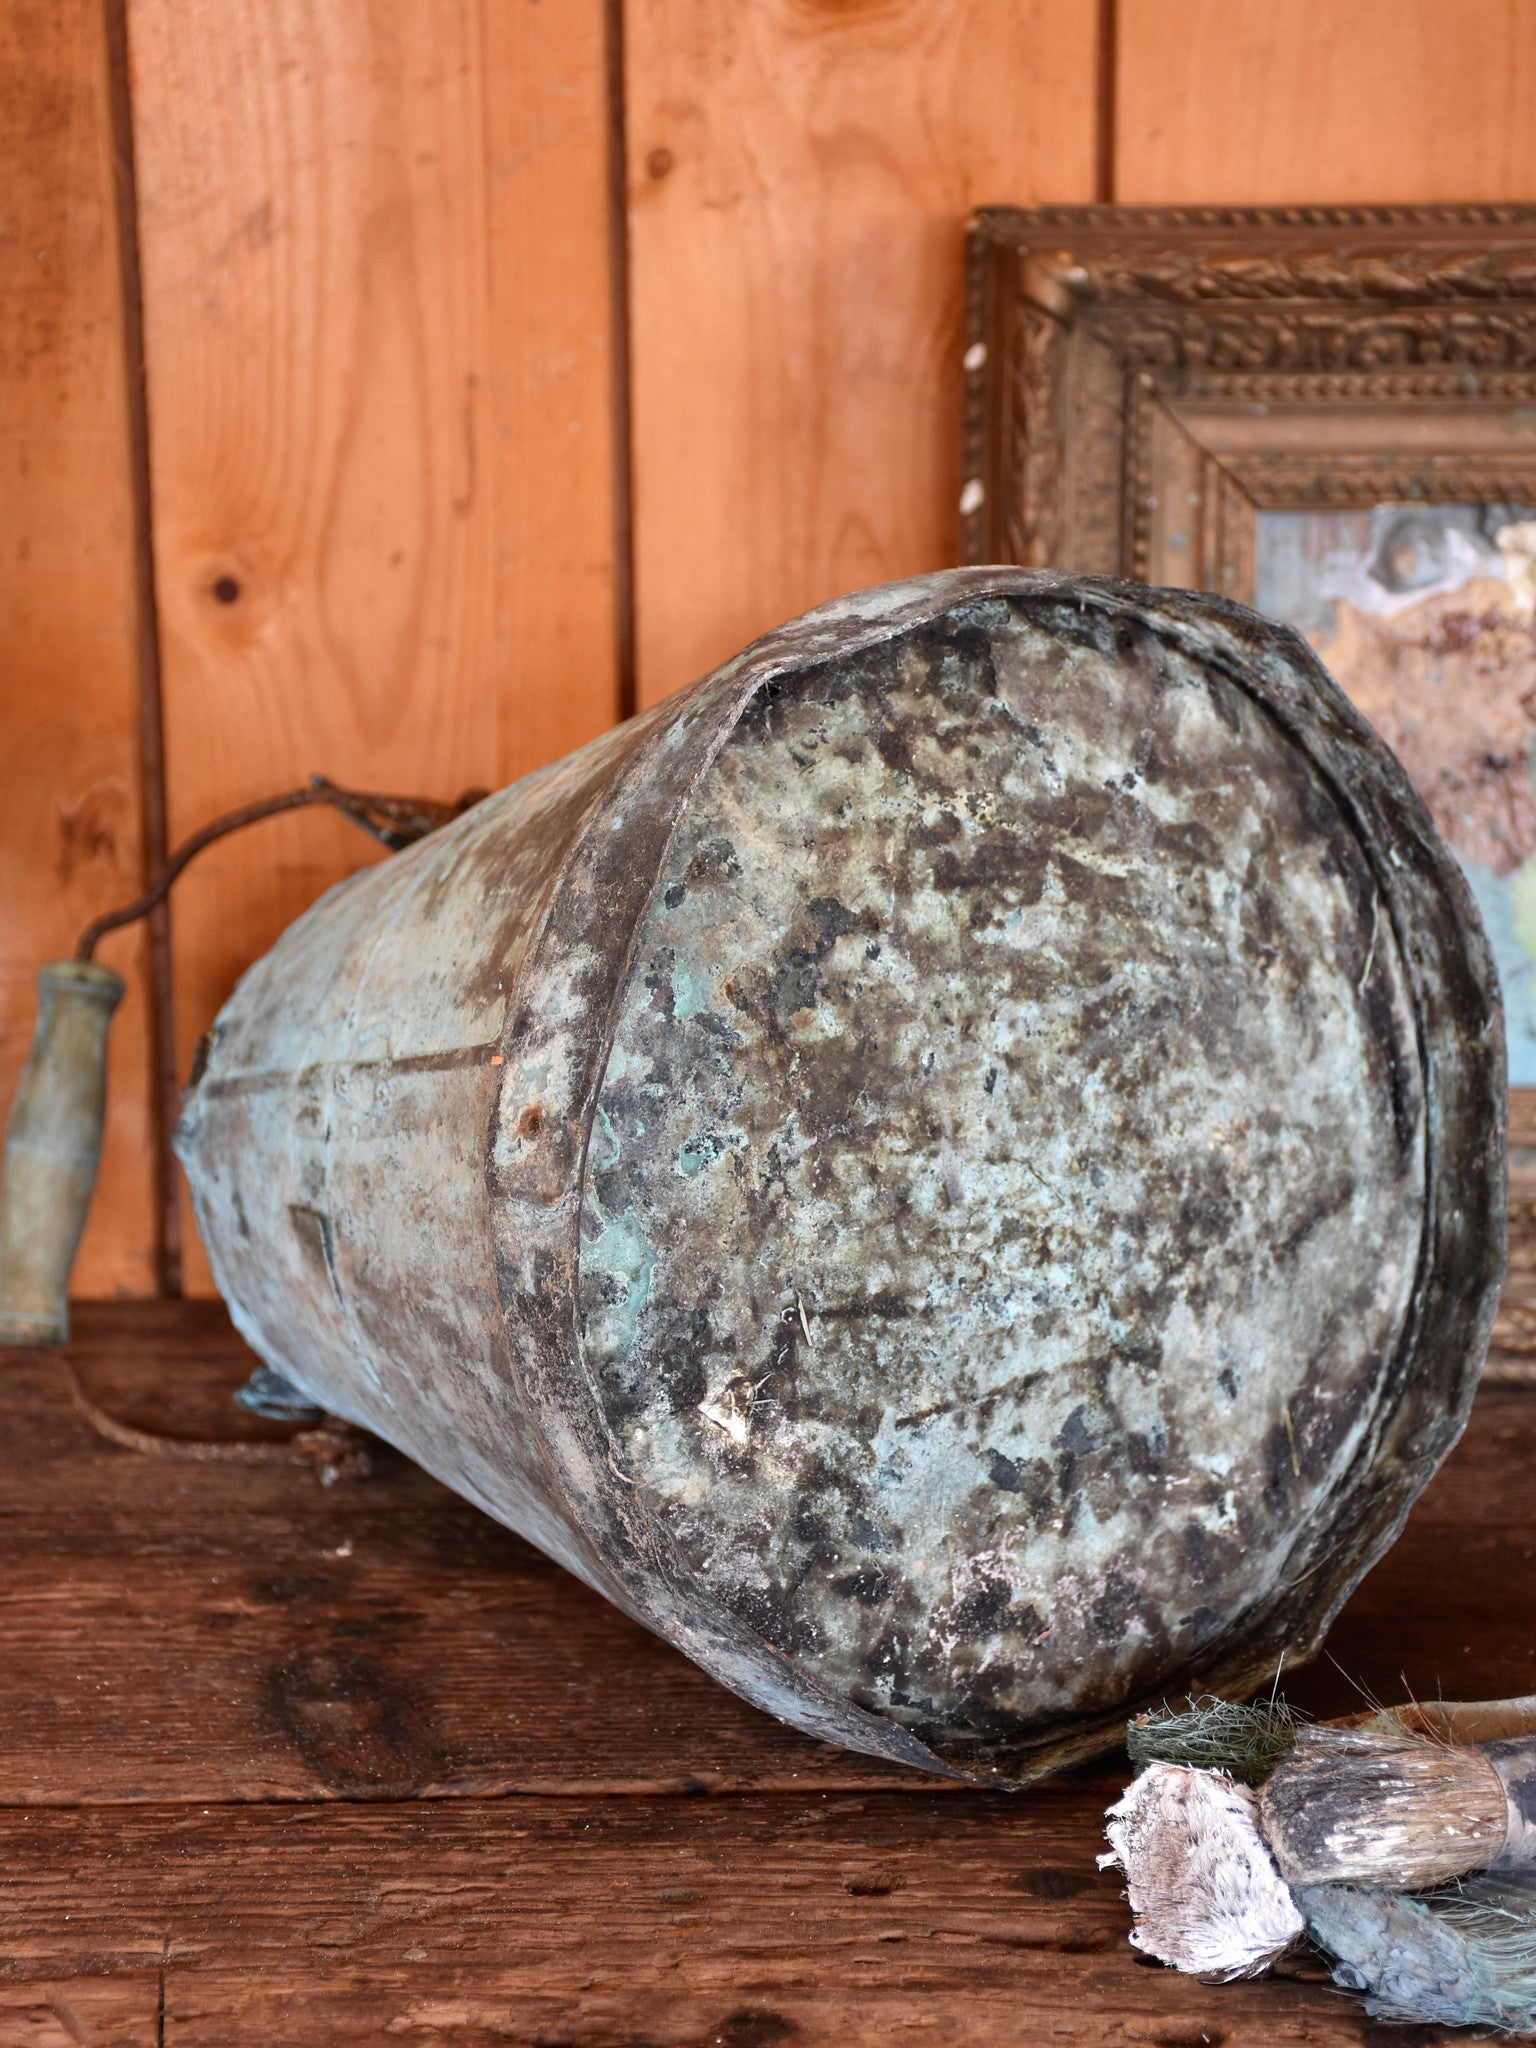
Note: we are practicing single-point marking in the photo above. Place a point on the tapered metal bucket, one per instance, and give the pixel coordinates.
(954, 1169)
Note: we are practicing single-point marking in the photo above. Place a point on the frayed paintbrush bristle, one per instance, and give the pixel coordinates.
(1204, 1890)
(1464, 1957)
(1246, 1742)
(1348, 1807)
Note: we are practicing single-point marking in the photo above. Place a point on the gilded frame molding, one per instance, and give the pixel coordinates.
(1139, 382)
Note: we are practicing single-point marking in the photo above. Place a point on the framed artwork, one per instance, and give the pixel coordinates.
(1327, 413)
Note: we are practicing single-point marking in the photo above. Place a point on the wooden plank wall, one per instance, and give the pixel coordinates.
(510, 363)
(799, 177)
(70, 771)
(376, 311)
(1254, 102)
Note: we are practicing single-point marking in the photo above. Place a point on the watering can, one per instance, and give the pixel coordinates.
(954, 1169)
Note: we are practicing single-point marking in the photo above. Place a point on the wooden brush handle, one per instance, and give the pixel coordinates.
(1463, 1721)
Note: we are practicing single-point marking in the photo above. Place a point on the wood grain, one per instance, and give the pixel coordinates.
(552, 364)
(374, 240)
(799, 176)
(1268, 102)
(967, 1920)
(69, 776)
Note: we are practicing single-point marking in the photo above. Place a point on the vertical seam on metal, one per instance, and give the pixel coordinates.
(619, 359)
(151, 728)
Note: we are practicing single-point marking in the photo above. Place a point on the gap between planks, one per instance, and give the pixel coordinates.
(693, 1788)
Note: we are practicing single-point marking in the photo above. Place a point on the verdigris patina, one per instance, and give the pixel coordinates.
(955, 1169)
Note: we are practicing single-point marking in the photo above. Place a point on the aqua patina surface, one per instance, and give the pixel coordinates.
(1006, 1186)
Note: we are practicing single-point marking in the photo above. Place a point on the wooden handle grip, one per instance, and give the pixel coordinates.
(52, 1146)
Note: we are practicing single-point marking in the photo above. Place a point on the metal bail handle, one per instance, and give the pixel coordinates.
(53, 1140)
(52, 1148)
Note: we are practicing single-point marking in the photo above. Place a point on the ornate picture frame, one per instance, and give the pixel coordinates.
(1141, 381)
(1243, 399)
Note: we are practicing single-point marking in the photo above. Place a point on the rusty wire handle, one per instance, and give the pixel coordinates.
(54, 1132)
(335, 1451)
(395, 821)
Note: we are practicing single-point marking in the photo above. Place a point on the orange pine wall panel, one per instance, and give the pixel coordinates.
(799, 173)
(1275, 101)
(376, 304)
(557, 587)
(70, 837)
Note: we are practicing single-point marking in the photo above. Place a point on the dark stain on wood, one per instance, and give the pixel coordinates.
(359, 1727)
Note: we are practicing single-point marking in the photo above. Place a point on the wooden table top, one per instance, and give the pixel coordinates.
(286, 1762)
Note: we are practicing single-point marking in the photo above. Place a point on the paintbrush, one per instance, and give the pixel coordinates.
(1402, 1842)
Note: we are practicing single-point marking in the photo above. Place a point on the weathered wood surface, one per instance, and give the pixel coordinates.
(384, 1639)
(676, 1924)
(285, 1762)
(371, 1639)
